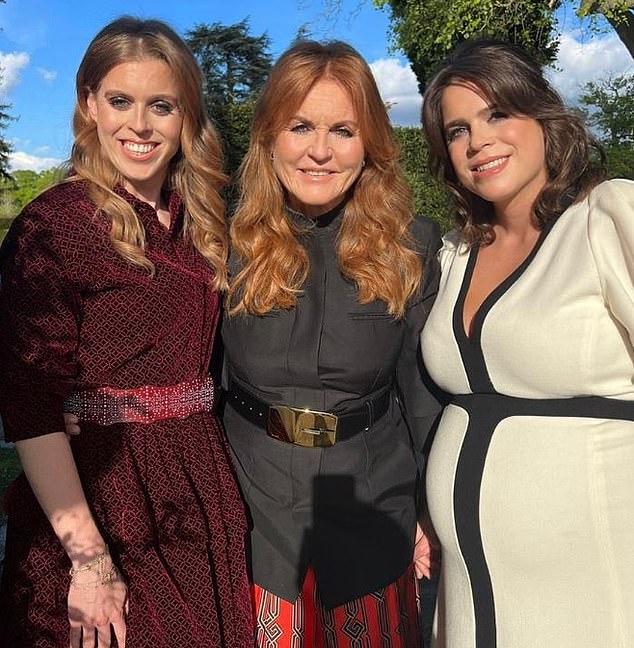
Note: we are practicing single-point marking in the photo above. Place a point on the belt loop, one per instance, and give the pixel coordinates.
(370, 406)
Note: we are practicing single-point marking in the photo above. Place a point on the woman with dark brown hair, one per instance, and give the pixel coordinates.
(131, 533)
(331, 281)
(529, 483)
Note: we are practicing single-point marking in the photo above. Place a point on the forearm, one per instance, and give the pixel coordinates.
(50, 468)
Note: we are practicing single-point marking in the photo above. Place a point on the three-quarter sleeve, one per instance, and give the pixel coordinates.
(418, 399)
(611, 234)
(39, 321)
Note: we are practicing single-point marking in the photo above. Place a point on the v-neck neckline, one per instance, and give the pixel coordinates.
(477, 321)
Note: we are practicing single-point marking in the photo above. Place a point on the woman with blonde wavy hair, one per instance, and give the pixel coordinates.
(331, 279)
(133, 531)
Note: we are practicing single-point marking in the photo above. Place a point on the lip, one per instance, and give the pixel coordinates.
(316, 173)
(141, 155)
(497, 163)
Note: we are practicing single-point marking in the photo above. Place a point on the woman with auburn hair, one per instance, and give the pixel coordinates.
(331, 281)
(131, 533)
(529, 482)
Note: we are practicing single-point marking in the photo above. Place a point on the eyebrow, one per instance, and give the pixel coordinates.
(461, 122)
(122, 93)
(343, 122)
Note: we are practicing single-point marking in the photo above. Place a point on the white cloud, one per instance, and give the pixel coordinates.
(579, 61)
(10, 67)
(48, 75)
(398, 87)
(592, 60)
(19, 160)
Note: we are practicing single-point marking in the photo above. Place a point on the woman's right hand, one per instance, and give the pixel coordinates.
(97, 608)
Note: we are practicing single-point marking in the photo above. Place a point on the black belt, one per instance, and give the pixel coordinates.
(304, 427)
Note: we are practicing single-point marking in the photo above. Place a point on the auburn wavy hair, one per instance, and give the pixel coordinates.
(513, 81)
(195, 172)
(374, 247)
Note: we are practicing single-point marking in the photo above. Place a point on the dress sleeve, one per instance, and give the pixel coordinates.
(418, 398)
(611, 234)
(39, 321)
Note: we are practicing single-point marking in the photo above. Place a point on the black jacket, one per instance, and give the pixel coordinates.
(349, 510)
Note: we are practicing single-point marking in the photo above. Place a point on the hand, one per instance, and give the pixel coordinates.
(71, 424)
(422, 554)
(95, 607)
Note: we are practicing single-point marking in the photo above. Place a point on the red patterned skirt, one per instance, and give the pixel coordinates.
(387, 618)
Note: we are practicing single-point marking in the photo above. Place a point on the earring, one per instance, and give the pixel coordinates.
(272, 155)
(362, 163)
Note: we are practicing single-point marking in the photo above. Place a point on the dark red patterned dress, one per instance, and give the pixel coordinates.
(74, 315)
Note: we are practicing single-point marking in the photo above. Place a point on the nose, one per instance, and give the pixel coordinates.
(320, 149)
(480, 135)
(139, 121)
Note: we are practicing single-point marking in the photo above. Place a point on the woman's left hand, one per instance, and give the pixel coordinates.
(71, 424)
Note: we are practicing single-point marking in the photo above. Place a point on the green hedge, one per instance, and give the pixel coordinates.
(430, 197)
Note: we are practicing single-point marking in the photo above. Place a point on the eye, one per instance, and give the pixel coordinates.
(342, 131)
(300, 129)
(163, 107)
(497, 115)
(120, 103)
(454, 132)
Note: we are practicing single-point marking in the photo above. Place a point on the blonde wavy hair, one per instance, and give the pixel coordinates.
(374, 246)
(195, 172)
(514, 82)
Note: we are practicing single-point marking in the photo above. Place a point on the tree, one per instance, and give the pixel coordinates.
(611, 112)
(613, 100)
(22, 186)
(617, 12)
(5, 146)
(235, 66)
(427, 31)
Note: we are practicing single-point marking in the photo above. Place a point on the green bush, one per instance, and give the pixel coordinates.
(431, 199)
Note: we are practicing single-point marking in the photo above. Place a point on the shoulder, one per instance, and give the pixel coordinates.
(613, 196)
(426, 234)
(58, 205)
(60, 219)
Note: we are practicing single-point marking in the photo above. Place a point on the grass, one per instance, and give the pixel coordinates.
(9, 470)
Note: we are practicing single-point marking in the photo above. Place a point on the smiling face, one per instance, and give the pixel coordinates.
(136, 109)
(495, 155)
(319, 153)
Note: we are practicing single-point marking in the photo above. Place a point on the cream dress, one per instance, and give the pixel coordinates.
(530, 481)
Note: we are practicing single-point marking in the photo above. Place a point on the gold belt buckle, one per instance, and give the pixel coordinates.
(303, 427)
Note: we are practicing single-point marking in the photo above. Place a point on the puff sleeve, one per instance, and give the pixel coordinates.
(611, 235)
(39, 325)
(418, 400)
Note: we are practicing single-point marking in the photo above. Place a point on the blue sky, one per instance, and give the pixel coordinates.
(42, 41)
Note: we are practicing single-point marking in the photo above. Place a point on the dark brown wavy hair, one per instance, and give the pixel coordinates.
(195, 172)
(512, 80)
(374, 248)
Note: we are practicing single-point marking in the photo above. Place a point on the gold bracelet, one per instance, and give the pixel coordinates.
(104, 577)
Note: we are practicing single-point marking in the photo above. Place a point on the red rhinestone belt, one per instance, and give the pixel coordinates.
(147, 404)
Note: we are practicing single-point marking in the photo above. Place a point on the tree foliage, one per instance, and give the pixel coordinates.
(617, 12)
(610, 111)
(5, 146)
(22, 186)
(612, 100)
(431, 199)
(427, 31)
(235, 66)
